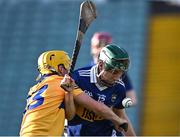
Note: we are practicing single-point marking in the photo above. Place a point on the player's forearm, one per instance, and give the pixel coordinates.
(68, 85)
(107, 113)
(69, 106)
(130, 131)
(121, 113)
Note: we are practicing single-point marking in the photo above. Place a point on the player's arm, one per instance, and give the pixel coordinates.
(67, 84)
(99, 108)
(69, 106)
(121, 113)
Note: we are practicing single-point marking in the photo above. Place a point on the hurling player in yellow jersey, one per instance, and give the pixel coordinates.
(48, 104)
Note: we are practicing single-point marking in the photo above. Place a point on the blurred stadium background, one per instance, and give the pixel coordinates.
(149, 30)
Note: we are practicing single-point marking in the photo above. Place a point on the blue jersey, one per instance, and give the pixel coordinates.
(86, 122)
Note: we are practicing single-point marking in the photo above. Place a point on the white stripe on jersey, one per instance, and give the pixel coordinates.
(93, 74)
(85, 73)
(89, 73)
(121, 82)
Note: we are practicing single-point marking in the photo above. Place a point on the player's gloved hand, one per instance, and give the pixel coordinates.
(67, 83)
(122, 126)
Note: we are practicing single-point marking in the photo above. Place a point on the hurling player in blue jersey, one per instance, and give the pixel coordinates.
(102, 83)
(100, 40)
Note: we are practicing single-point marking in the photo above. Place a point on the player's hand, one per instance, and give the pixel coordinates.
(67, 83)
(122, 126)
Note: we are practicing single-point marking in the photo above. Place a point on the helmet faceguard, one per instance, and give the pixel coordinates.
(49, 61)
(114, 57)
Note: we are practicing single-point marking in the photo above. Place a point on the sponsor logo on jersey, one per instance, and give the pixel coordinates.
(88, 93)
(113, 97)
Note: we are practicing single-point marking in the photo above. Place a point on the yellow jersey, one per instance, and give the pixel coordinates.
(44, 114)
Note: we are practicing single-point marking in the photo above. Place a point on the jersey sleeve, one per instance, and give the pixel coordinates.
(120, 97)
(77, 91)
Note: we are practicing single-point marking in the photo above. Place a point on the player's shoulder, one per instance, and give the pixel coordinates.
(83, 72)
(120, 86)
(51, 80)
(120, 83)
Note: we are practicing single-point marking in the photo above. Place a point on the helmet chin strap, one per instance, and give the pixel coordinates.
(98, 75)
(103, 82)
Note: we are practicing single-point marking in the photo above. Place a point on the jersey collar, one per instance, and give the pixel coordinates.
(93, 78)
